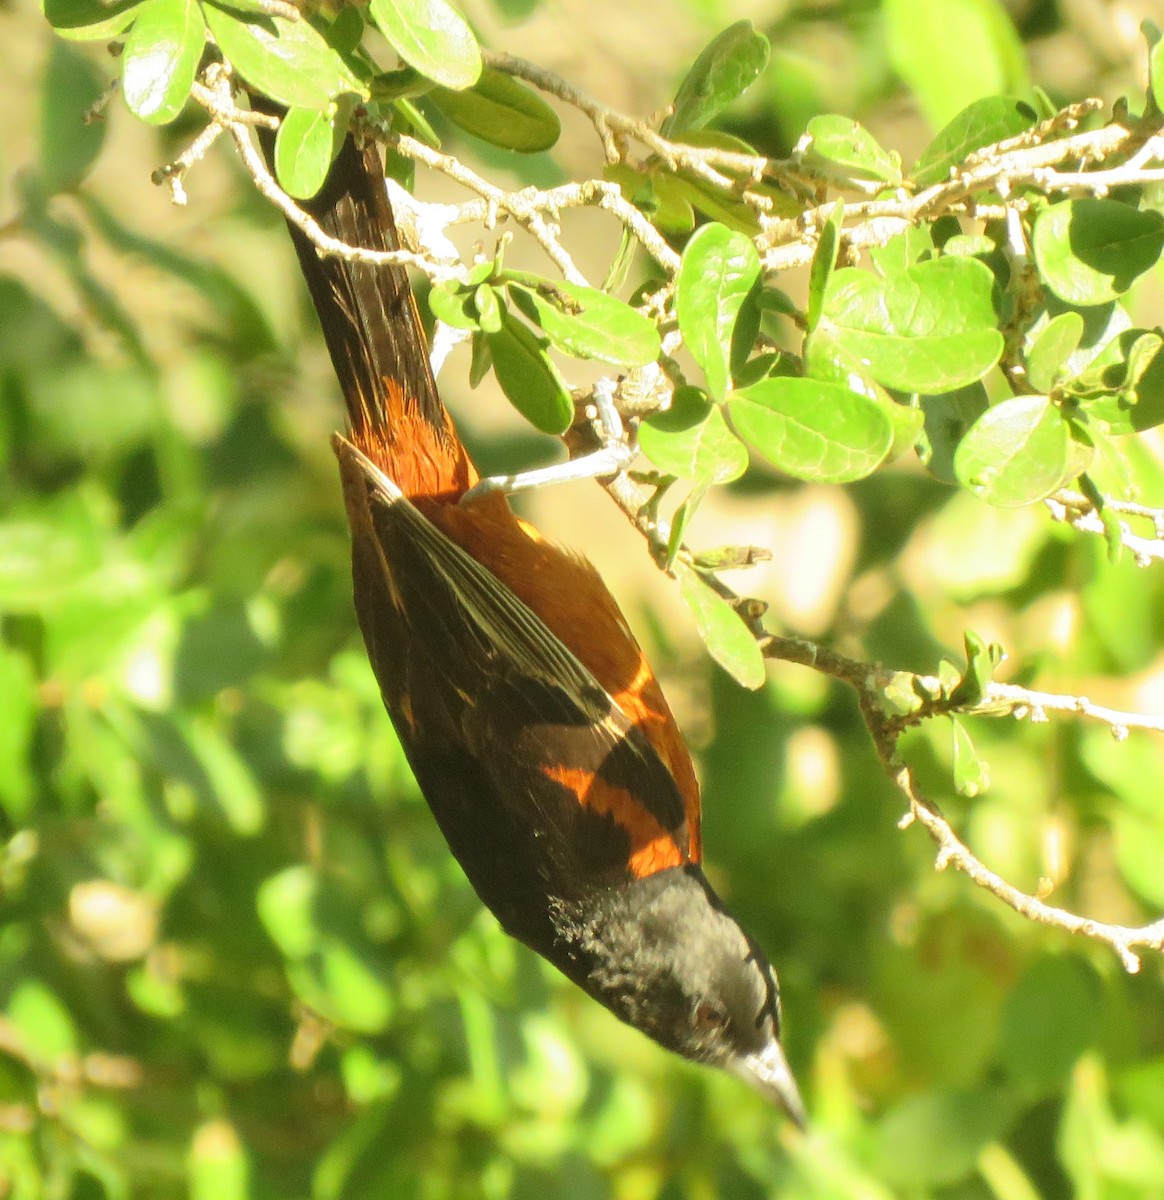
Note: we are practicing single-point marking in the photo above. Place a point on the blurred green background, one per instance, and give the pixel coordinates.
(236, 959)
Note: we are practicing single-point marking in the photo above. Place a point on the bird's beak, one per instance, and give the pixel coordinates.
(768, 1070)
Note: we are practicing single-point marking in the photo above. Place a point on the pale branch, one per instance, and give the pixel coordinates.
(952, 852)
(1080, 513)
(1027, 161)
(1005, 168)
(1025, 702)
(516, 204)
(218, 100)
(614, 128)
(590, 193)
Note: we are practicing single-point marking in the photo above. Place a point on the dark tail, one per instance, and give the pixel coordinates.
(375, 337)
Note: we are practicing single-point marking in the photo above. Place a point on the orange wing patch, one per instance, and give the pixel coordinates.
(570, 597)
(652, 847)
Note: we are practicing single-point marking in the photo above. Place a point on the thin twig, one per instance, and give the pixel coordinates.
(952, 852)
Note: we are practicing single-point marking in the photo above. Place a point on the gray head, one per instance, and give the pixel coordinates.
(665, 955)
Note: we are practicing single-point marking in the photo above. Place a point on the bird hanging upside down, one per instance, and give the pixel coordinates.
(529, 714)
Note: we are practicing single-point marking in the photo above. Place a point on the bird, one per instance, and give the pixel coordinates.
(529, 715)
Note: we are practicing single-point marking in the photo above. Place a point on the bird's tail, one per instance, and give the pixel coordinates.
(375, 337)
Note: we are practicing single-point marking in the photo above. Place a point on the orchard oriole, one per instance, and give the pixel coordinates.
(529, 714)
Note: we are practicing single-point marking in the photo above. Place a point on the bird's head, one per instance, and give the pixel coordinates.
(666, 956)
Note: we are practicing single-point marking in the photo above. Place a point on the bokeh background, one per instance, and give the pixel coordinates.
(236, 959)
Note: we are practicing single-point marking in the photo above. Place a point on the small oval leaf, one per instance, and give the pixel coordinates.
(728, 640)
(306, 144)
(529, 378)
(502, 111)
(982, 123)
(931, 328)
(729, 63)
(692, 440)
(1090, 251)
(161, 58)
(455, 306)
(590, 323)
(715, 276)
(287, 60)
(90, 20)
(1016, 453)
(813, 430)
(1052, 348)
(431, 36)
(848, 150)
(823, 262)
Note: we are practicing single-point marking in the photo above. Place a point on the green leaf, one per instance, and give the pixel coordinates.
(954, 53)
(725, 68)
(670, 210)
(90, 20)
(643, 191)
(982, 123)
(286, 905)
(823, 262)
(1016, 453)
(19, 708)
(480, 359)
(947, 418)
(714, 202)
(680, 521)
(908, 421)
(454, 305)
(1131, 398)
(843, 148)
(590, 324)
(502, 111)
(1090, 251)
(1156, 73)
(223, 778)
(981, 659)
(901, 252)
(431, 36)
(161, 58)
(1050, 351)
(936, 1138)
(529, 378)
(287, 60)
(1053, 1014)
(488, 307)
(218, 1167)
(411, 120)
(715, 276)
(41, 1022)
(692, 440)
(68, 142)
(728, 640)
(305, 147)
(931, 328)
(346, 32)
(813, 430)
(971, 774)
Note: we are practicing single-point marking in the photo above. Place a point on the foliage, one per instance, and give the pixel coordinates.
(237, 959)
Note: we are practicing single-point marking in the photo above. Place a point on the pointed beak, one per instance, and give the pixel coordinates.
(768, 1071)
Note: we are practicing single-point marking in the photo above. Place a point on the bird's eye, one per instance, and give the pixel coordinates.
(710, 1016)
